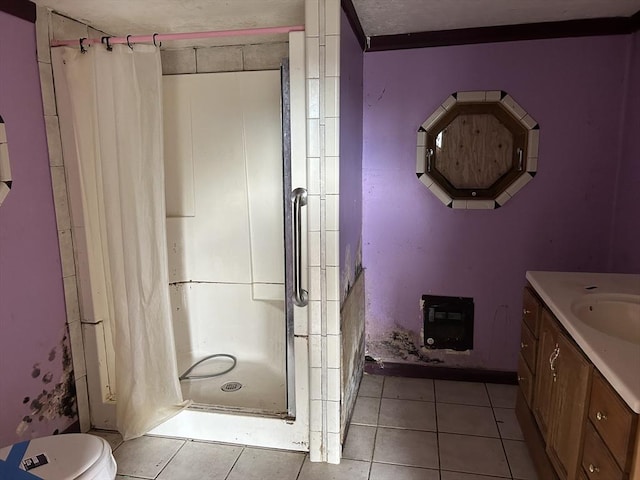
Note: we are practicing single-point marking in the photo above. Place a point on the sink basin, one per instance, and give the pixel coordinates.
(617, 315)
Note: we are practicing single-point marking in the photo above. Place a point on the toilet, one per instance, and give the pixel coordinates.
(74, 456)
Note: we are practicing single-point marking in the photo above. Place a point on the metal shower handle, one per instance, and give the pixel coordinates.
(299, 198)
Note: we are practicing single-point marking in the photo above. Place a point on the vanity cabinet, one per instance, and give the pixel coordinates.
(574, 423)
(528, 344)
(560, 396)
(609, 441)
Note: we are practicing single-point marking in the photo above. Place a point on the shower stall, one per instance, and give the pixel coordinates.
(236, 240)
(225, 182)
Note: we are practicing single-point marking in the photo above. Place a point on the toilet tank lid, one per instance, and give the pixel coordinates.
(68, 456)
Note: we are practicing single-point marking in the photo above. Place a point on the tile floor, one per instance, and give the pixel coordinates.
(401, 429)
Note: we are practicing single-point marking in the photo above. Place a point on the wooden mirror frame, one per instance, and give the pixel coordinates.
(523, 161)
(5, 166)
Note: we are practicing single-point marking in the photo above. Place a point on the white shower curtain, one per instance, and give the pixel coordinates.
(116, 104)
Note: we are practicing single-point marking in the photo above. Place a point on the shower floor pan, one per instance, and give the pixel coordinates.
(261, 388)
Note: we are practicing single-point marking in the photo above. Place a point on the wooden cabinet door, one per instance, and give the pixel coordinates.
(569, 408)
(544, 386)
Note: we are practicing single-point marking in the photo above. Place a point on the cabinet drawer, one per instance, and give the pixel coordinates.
(531, 309)
(597, 462)
(612, 419)
(525, 380)
(528, 347)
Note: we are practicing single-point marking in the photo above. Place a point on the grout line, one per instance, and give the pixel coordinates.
(235, 463)
(184, 442)
(504, 450)
(435, 411)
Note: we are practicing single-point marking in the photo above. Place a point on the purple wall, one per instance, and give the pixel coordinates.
(414, 245)
(32, 311)
(351, 85)
(625, 251)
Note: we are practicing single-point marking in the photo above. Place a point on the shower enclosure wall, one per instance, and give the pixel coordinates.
(225, 235)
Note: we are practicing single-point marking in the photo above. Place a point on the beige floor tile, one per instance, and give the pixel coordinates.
(262, 464)
(466, 419)
(382, 471)
(114, 438)
(503, 396)
(410, 414)
(145, 456)
(408, 388)
(197, 457)
(469, 454)
(466, 393)
(371, 386)
(444, 475)
(365, 411)
(346, 470)
(519, 460)
(508, 423)
(406, 447)
(359, 443)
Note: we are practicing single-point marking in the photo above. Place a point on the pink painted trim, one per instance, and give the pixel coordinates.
(182, 36)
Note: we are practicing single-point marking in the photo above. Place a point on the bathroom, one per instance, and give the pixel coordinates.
(577, 214)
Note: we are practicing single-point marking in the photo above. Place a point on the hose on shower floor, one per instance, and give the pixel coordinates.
(186, 376)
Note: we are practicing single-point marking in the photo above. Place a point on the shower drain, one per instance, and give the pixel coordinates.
(231, 387)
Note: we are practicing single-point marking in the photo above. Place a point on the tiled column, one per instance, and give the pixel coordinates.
(48, 26)
(322, 32)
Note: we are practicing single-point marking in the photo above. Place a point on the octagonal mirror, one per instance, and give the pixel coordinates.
(477, 150)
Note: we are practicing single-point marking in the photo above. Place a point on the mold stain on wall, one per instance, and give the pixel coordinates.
(55, 399)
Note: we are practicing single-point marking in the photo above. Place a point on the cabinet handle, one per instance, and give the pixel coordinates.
(525, 311)
(593, 468)
(523, 345)
(552, 361)
(521, 379)
(601, 416)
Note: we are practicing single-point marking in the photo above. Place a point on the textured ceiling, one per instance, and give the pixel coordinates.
(378, 17)
(384, 17)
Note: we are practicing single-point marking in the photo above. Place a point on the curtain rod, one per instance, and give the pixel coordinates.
(158, 37)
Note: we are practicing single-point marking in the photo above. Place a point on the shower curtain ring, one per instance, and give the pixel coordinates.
(106, 40)
(129, 43)
(82, 48)
(154, 41)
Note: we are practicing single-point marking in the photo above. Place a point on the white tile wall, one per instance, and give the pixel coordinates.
(66, 253)
(178, 61)
(333, 384)
(322, 30)
(313, 57)
(82, 396)
(266, 56)
(46, 84)
(333, 317)
(42, 34)
(48, 26)
(63, 28)
(219, 59)
(77, 350)
(53, 140)
(60, 198)
(71, 299)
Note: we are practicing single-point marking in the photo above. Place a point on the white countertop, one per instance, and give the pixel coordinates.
(617, 360)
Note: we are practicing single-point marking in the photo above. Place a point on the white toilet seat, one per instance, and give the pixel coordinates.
(75, 456)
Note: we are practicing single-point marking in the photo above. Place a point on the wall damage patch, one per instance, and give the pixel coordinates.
(55, 400)
(400, 344)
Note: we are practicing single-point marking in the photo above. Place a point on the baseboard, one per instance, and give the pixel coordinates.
(416, 370)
